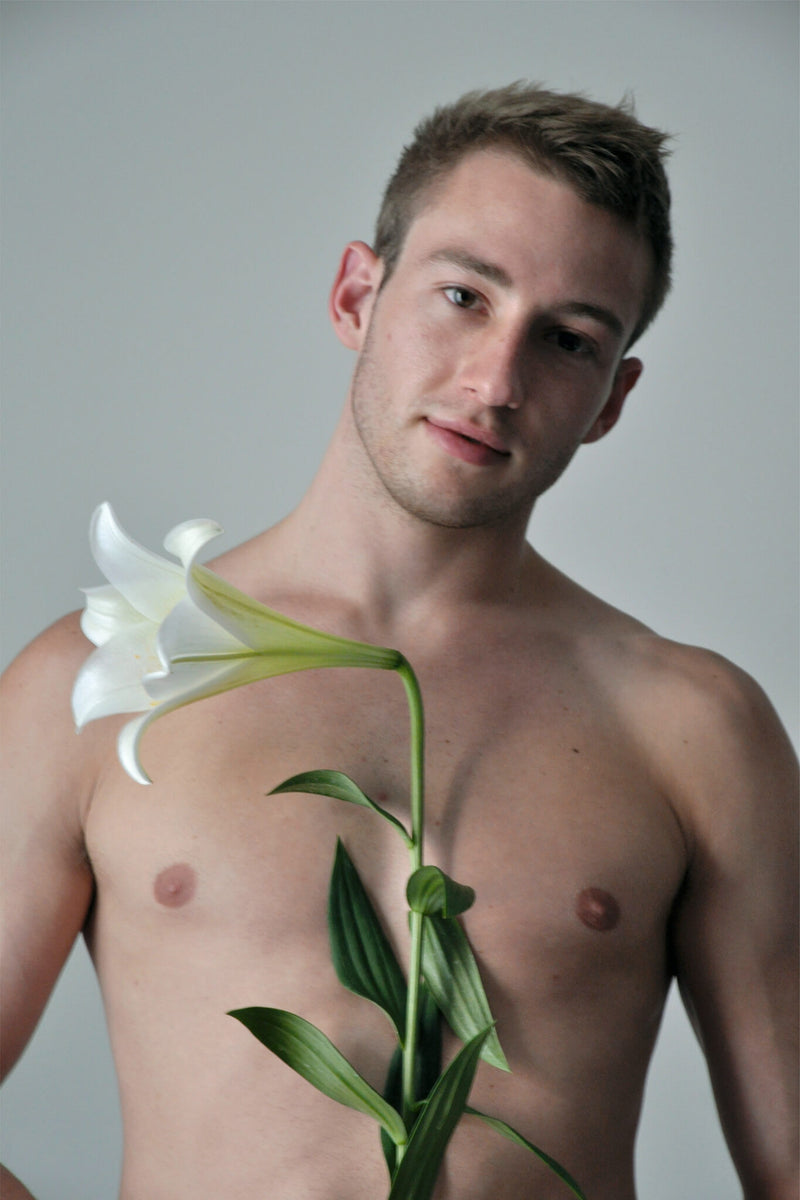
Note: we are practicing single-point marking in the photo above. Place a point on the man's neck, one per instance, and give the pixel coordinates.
(395, 565)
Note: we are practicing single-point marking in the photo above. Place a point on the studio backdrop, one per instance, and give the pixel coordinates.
(179, 180)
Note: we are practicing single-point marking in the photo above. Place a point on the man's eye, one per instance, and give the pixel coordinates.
(572, 342)
(462, 297)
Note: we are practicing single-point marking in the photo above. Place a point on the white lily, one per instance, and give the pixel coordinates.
(167, 635)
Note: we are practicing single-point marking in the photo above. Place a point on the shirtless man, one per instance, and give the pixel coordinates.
(622, 805)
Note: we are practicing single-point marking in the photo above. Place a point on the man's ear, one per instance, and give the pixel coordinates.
(353, 293)
(625, 379)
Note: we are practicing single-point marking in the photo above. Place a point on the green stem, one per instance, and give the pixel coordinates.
(416, 714)
(412, 1021)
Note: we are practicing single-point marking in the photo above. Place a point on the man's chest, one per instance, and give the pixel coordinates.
(537, 798)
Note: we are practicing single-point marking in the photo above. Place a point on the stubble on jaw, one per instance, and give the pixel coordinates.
(390, 478)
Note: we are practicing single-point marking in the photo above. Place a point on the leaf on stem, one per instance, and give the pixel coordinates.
(307, 1050)
(427, 1068)
(429, 1043)
(416, 1175)
(431, 892)
(393, 1094)
(451, 973)
(362, 955)
(514, 1136)
(340, 787)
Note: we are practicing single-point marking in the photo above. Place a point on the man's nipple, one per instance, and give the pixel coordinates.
(175, 885)
(597, 909)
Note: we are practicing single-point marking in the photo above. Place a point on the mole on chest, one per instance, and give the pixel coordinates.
(175, 885)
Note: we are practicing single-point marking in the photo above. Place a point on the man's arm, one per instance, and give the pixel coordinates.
(736, 935)
(46, 878)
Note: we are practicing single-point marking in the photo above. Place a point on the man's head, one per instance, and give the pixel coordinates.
(603, 153)
(495, 347)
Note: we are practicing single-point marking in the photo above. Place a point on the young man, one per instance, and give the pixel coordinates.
(623, 806)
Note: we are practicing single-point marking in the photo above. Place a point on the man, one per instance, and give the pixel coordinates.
(622, 805)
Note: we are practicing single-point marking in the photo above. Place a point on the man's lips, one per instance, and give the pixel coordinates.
(468, 442)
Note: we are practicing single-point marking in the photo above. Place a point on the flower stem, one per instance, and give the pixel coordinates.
(417, 781)
(417, 716)
(412, 1019)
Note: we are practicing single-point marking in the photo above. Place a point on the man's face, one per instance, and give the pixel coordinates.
(495, 347)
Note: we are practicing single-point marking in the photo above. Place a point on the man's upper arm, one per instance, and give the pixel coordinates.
(46, 879)
(736, 937)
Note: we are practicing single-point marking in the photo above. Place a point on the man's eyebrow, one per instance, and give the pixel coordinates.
(580, 308)
(468, 262)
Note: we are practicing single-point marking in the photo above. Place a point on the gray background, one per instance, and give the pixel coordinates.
(179, 180)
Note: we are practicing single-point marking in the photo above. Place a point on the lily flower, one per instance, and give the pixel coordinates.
(167, 635)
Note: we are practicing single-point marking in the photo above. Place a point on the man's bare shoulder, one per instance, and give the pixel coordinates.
(42, 752)
(679, 672)
(691, 687)
(46, 666)
(707, 725)
(711, 733)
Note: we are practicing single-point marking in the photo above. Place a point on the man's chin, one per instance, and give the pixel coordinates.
(462, 512)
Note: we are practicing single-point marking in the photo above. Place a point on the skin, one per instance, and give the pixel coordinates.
(622, 805)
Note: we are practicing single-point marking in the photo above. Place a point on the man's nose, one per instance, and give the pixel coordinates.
(492, 370)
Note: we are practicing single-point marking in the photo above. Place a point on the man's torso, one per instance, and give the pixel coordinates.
(544, 793)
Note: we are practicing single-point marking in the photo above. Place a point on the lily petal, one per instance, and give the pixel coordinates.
(186, 540)
(128, 748)
(112, 678)
(151, 584)
(107, 612)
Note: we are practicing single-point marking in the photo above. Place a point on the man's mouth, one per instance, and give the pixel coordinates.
(468, 442)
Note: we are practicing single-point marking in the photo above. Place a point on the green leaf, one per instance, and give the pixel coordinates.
(430, 891)
(429, 1044)
(416, 1175)
(362, 956)
(393, 1094)
(452, 975)
(513, 1136)
(339, 787)
(307, 1050)
(428, 1066)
